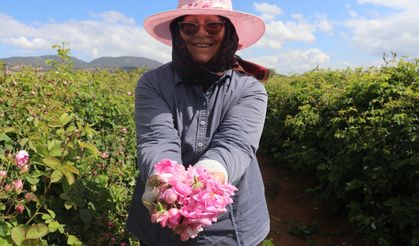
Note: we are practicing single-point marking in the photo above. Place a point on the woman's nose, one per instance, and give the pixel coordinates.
(201, 30)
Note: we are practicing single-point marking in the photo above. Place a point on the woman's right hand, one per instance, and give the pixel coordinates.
(151, 192)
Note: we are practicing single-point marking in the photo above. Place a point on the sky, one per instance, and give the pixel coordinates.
(300, 34)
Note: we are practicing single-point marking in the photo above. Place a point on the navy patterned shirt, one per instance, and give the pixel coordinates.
(180, 121)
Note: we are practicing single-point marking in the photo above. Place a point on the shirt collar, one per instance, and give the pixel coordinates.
(179, 80)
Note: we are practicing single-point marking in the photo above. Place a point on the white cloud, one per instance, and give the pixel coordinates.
(24, 42)
(267, 8)
(9, 26)
(114, 17)
(268, 11)
(280, 32)
(397, 4)
(110, 34)
(395, 32)
(294, 61)
(297, 17)
(323, 24)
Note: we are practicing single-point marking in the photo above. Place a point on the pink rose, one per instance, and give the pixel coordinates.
(174, 217)
(160, 217)
(3, 175)
(21, 158)
(18, 185)
(169, 196)
(181, 188)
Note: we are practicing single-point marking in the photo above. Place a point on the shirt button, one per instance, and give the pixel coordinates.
(200, 145)
(202, 122)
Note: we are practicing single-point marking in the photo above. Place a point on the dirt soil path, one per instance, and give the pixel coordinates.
(296, 219)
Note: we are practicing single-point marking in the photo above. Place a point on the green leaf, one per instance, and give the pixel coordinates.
(66, 118)
(57, 151)
(73, 240)
(52, 162)
(47, 218)
(42, 149)
(71, 129)
(70, 167)
(37, 231)
(68, 204)
(53, 226)
(54, 123)
(51, 213)
(32, 180)
(56, 176)
(5, 242)
(7, 129)
(90, 147)
(69, 176)
(69, 170)
(22, 142)
(4, 230)
(18, 234)
(32, 242)
(4, 137)
(53, 143)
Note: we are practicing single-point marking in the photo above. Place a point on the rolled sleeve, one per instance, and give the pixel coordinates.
(235, 142)
(157, 137)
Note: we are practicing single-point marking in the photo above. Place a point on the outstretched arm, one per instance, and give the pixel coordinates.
(236, 140)
(157, 137)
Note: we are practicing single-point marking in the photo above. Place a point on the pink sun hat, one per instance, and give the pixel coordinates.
(250, 28)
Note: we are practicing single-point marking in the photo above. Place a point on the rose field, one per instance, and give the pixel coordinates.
(68, 157)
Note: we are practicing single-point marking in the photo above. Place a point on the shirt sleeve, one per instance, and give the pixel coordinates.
(236, 140)
(157, 137)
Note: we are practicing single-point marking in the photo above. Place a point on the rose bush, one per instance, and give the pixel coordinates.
(67, 156)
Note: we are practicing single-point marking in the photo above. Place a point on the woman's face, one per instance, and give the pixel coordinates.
(205, 43)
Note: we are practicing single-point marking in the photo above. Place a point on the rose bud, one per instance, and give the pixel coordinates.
(19, 208)
(8, 187)
(18, 185)
(30, 197)
(170, 196)
(104, 155)
(24, 168)
(3, 175)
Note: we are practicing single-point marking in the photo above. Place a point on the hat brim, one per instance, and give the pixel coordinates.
(249, 28)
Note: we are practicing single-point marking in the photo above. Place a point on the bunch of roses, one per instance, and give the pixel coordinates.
(21, 161)
(188, 199)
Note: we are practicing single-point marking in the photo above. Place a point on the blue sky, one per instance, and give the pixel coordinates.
(300, 35)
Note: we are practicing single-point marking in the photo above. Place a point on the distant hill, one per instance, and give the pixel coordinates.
(123, 62)
(39, 61)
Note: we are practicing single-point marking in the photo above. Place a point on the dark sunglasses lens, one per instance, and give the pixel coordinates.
(189, 28)
(214, 27)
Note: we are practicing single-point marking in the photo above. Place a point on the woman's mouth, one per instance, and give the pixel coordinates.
(202, 46)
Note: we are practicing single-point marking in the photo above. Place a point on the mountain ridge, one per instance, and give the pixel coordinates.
(123, 62)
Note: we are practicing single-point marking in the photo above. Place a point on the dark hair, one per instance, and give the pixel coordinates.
(209, 72)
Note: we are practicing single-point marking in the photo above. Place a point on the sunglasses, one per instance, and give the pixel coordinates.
(192, 28)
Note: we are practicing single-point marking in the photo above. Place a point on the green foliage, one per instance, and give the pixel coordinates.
(358, 132)
(64, 64)
(2, 65)
(268, 242)
(78, 128)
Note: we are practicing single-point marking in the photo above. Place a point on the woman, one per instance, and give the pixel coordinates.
(205, 108)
